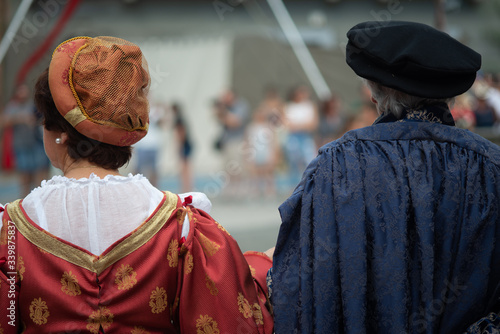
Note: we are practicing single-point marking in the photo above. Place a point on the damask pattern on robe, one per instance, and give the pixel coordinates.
(69, 284)
(39, 311)
(158, 300)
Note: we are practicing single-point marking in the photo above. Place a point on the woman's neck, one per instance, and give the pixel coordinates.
(83, 169)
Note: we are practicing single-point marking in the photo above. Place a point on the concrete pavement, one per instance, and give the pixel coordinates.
(253, 223)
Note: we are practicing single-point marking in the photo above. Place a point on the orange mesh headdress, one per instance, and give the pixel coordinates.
(100, 86)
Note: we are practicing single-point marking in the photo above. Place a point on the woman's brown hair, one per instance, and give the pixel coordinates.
(79, 146)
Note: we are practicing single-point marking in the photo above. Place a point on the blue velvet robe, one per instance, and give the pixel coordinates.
(393, 229)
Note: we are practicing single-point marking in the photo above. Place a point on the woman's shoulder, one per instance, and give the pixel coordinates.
(197, 199)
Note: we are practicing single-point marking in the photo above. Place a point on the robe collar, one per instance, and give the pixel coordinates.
(436, 113)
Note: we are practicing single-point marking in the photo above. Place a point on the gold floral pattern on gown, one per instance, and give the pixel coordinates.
(257, 314)
(21, 269)
(244, 306)
(125, 277)
(188, 263)
(180, 216)
(211, 286)
(209, 247)
(39, 311)
(252, 270)
(191, 216)
(206, 325)
(139, 330)
(3, 233)
(222, 228)
(100, 318)
(1, 329)
(69, 284)
(158, 300)
(173, 253)
(249, 310)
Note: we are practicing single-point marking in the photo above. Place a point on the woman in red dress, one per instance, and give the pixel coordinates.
(93, 251)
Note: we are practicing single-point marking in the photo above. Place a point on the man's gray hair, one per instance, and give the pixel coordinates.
(394, 101)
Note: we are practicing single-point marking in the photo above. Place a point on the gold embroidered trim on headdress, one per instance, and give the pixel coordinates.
(75, 116)
(70, 77)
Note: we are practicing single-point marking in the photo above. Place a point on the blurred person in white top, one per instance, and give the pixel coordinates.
(147, 150)
(301, 118)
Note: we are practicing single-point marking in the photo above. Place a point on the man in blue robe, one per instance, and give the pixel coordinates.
(394, 228)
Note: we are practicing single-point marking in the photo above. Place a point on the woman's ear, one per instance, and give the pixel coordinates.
(64, 137)
(373, 100)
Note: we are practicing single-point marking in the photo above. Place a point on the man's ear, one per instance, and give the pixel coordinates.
(373, 100)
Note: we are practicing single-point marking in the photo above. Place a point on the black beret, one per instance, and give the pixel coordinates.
(411, 57)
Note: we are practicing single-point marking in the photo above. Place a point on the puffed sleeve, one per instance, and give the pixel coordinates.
(219, 292)
(9, 287)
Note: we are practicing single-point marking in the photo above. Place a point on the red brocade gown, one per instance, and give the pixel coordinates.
(149, 281)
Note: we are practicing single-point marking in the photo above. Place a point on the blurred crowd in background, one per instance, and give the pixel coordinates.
(265, 149)
(479, 108)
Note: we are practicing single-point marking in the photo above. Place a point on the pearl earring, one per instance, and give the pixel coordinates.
(58, 140)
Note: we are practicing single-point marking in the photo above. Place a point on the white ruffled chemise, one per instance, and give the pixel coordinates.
(93, 213)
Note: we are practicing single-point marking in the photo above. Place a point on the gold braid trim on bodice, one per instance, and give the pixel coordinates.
(91, 262)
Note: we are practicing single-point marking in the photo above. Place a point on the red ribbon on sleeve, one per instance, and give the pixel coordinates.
(188, 200)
